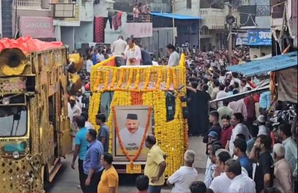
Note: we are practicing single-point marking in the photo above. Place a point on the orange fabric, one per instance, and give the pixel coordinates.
(28, 44)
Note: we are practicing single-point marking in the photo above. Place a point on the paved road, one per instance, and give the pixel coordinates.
(67, 178)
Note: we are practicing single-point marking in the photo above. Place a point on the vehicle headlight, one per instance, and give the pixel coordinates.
(15, 155)
(6, 101)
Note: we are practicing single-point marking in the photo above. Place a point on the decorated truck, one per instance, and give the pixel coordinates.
(140, 100)
(34, 130)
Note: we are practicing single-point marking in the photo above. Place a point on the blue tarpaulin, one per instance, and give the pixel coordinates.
(175, 16)
(274, 63)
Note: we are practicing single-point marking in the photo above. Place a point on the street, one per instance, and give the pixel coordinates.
(67, 179)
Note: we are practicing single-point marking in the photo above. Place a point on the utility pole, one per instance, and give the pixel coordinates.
(173, 22)
(230, 34)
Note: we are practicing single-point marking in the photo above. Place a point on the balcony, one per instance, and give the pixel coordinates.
(213, 18)
(263, 10)
(143, 18)
(27, 4)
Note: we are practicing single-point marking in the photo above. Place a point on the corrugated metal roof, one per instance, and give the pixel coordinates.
(175, 16)
(274, 63)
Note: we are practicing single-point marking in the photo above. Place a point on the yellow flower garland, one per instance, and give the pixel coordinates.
(93, 109)
(170, 135)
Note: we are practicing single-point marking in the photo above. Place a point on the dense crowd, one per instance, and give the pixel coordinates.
(244, 152)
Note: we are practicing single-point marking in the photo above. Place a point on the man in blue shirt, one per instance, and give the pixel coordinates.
(80, 148)
(104, 133)
(265, 101)
(92, 167)
(240, 147)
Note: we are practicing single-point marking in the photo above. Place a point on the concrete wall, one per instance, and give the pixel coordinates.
(84, 33)
(67, 36)
(180, 8)
(259, 50)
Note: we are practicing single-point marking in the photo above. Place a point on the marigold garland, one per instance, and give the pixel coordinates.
(171, 136)
(136, 98)
(143, 137)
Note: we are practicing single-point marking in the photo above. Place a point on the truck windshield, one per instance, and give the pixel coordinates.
(13, 121)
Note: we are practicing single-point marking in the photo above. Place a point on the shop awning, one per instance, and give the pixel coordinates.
(274, 63)
(175, 16)
(242, 95)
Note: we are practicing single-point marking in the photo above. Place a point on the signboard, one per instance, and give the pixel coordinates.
(241, 39)
(287, 85)
(37, 27)
(139, 30)
(259, 37)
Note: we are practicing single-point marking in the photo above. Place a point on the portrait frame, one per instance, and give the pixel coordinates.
(145, 126)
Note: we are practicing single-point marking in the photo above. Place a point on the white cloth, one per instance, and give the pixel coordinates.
(88, 125)
(235, 80)
(173, 59)
(242, 183)
(89, 65)
(220, 184)
(130, 53)
(154, 63)
(118, 47)
(240, 128)
(183, 178)
(220, 94)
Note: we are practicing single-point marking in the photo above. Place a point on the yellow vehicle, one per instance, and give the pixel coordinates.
(139, 100)
(34, 130)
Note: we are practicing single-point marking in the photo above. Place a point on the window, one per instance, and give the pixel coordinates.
(13, 121)
(188, 4)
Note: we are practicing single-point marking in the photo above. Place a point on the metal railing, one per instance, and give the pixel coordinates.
(27, 3)
(263, 10)
(142, 18)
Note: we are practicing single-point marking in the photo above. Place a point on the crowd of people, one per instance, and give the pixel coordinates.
(141, 12)
(244, 153)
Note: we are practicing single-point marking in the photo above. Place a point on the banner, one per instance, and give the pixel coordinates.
(287, 85)
(259, 37)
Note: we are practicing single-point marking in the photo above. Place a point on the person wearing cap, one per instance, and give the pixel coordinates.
(73, 111)
(263, 130)
(132, 53)
(131, 136)
(282, 170)
(185, 175)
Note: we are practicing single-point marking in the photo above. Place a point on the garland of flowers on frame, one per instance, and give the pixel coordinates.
(94, 108)
(132, 159)
(119, 98)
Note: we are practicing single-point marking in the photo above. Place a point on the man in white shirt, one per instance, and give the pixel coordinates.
(174, 56)
(239, 182)
(132, 53)
(290, 148)
(239, 128)
(89, 63)
(185, 175)
(221, 182)
(119, 46)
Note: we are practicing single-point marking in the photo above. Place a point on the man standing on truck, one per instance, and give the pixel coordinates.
(132, 134)
(80, 148)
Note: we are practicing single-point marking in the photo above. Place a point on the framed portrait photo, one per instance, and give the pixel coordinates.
(131, 125)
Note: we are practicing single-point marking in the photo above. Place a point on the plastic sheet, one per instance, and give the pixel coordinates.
(28, 44)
